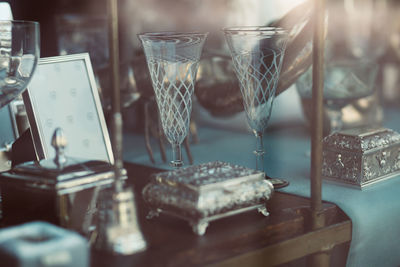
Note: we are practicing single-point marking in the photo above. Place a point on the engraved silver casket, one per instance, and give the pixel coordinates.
(206, 192)
(361, 156)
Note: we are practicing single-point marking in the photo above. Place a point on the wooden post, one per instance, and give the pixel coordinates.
(116, 105)
(321, 259)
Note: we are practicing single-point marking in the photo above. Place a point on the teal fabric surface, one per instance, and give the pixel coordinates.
(375, 211)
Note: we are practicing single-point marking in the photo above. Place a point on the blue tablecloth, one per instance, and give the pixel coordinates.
(375, 211)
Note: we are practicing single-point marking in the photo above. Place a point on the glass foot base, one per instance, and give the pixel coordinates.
(277, 183)
(176, 164)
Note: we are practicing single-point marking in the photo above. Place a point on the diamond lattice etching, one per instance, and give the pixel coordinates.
(258, 75)
(257, 55)
(173, 60)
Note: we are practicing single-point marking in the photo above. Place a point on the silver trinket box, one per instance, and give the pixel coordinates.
(207, 192)
(361, 156)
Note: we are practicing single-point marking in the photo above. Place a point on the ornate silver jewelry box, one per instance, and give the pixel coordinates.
(361, 156)
(67, 197)
(62, 190)
(206, 192)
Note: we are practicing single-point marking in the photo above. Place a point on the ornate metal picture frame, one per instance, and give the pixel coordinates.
(63, 93)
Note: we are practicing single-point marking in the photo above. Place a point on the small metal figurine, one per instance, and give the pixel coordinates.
(118, 229)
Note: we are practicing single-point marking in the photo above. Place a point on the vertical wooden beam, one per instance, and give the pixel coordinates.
(317, 107)
(116, 105)
(321, 259)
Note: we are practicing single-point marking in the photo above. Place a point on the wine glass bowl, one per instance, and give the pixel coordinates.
(173, 59)
(257, 55)
(19, 54)
(345, 81)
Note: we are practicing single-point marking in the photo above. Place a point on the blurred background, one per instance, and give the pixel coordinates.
(362, 55)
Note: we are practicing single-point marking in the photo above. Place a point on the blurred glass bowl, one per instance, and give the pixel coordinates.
(345, 83)
(19, 54)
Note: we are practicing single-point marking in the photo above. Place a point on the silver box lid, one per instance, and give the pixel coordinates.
(76, 176)
(208, 176)
(361, 140)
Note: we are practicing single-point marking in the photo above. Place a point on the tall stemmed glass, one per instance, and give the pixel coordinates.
(173, 60)
(19, 54)
(257, 54)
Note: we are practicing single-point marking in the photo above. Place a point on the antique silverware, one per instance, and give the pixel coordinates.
(62, 190)
(118, 229)
(210, 191)
(361, 156)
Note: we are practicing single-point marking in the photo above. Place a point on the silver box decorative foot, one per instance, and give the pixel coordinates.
(199, 227)
(207, 192)
(263, 211)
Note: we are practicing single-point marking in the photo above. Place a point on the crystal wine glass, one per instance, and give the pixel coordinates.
(257, 54)
(345, 81)
(173, 60)
(19, 54)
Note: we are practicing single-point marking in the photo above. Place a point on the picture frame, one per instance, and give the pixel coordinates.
(63, 93)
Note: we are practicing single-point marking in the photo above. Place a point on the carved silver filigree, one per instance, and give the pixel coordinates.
(362, 139)
(200, 176)
(361, 156)
(208, 191)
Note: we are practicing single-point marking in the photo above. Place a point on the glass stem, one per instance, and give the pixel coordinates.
(176, 156)
(259, 152)
(337, 123)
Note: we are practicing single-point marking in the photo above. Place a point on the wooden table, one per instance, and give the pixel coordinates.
(247, 239)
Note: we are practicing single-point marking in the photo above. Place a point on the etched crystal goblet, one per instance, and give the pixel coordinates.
(173, 59)
(257, 54)
(19, 54)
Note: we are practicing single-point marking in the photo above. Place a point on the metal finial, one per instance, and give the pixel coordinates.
(59, 142)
